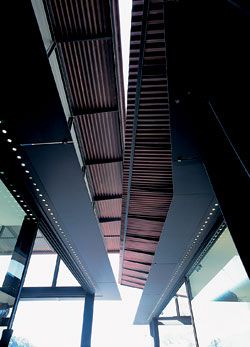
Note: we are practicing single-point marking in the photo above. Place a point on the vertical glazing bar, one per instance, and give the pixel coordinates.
(188, 289)
(87, 320)
(56, 271)
(154, 331)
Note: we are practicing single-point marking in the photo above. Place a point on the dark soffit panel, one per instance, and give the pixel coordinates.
(61, 180)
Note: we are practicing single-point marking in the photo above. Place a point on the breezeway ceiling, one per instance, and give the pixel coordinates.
(82, 39)
(49, 179)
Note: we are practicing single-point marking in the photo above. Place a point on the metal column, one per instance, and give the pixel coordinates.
(24, 244)
(154, 331)
(87, 320)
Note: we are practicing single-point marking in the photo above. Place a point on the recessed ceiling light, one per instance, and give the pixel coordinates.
(4, 131)
(19, 157)
(9, 140)
(22, 164)
(14, 149)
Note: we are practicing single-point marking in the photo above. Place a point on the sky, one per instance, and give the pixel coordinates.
(59, 322)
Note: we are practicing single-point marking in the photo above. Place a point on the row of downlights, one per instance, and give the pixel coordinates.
(29, 212)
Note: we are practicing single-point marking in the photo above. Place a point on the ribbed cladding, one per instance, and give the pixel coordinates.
(135, 274)
(112, 244)
(99, 135)
(132, 284)
(105, 178)
(108, 208)
(88, 50)
(75, 19)
(89, 67)
(111, 229)
(151, 187)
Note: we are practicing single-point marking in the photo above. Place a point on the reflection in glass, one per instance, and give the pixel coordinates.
(12, 259)
(221, 296)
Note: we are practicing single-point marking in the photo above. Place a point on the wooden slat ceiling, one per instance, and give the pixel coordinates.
(147, 175)
(87, 46)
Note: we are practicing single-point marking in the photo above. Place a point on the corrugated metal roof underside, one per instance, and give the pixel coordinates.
(85, 49)
(151, 186)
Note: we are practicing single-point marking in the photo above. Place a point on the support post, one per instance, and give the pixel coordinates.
(56, 271)
(24, 246)
(188, 289)
(87, 320)
(154, 331)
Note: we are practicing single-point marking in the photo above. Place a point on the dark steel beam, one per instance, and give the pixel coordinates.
(96, 111)
(140, 271)
(109, 219)
(135, 277)
(56, 271)
(107, 197)
(142, 237)
(177, 307)
(186, 320)
(102, 161)
(138, 262)
(119, 85)
(135, 123)
(46, 143)
(51, 48)
(154, 332)
(189, 294)
(107, 236)
(100, 37)
(139, 251)
(87, 321)
(47, 293)
(24, 245)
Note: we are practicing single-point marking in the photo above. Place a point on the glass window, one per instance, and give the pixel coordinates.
(42, 264)
(176, 336)
(221, 296)
(12, 259)
(175, 325)
(49, 323)
(65, 277)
